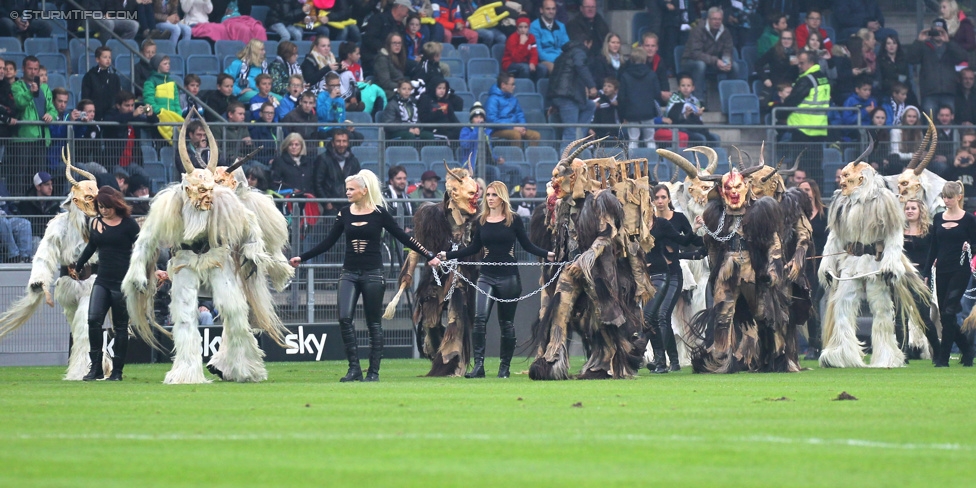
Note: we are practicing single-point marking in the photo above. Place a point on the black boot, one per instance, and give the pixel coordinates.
(507, 350)
(478, 349)
(121, 348)
(375, 352)
(671, 346)
(96, 372)
(348, 332)
(657, 346)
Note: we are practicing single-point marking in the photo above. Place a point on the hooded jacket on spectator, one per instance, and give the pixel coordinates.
(520, 53)
(639, 89)
(160, 98)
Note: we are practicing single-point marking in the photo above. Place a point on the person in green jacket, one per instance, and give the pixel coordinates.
(778, 22)
(32, 103)
(160, 90)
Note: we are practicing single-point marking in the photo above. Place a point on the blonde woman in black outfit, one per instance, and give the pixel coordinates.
(918, 243)
(112, 234)
(951, 230)
(497, 232)
(363, 223)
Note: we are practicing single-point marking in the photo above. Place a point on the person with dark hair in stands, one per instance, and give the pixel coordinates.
(589, 21)
(966, 97)
(7, 105)
(380, 26)
(33, 104)
(257, 178)
(402, 110)
(101, 83)
(938, 57)
(263, 134)
(88, 135)
(220, 98)
(649, 44)
(778, 64)
(112, 235)
(39, 212)
(571, 85)
(333, 167)
(121, 147)
(197, 148)
(437, 106)
(391, 64)
(138, 188)
(284, 66)
(304, 113)
(396, 189)
(144, 67)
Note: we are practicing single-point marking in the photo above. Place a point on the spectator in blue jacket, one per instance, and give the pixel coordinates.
(550, 34)
(469, 136)
(331, 108)
(504, 108)
(861, 99)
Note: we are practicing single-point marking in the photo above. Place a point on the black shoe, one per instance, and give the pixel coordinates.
(940, 364)
(96, 372)
(507, 350)
(214, 371)
(675, 367)
(478, 371)
(355, 373)
(115, 376)
(372, 377)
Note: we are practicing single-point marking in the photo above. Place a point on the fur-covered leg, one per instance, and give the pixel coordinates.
(187, 343)
(73, 297)
(841, 349)
(239, 358)
(885, 352)
(553, 362)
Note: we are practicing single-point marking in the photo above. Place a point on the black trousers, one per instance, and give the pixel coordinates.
(371, 285)
(657, 315)
(950, 287)
(506, 287)
(103, 298)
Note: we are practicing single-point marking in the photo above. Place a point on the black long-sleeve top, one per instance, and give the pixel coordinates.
(917, 249)
(364, 239)
(669, 236)
(947, 244)
(114, 245)
(498, 240)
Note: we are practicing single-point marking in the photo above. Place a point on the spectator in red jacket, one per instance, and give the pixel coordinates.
(521, 57)
(812, 24)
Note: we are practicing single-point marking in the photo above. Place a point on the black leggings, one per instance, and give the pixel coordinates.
(506, 287)
(102, 298)
(657, 315)
(371, 285)
(950, 287)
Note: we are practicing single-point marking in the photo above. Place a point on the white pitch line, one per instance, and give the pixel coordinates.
(810, 441)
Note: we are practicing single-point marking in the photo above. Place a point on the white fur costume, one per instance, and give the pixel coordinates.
(64, 240)
(864, 211)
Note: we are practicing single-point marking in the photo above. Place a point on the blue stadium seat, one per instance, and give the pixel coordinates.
(644, 152)
(497, 52)
(524, 85)
(481, 66)
(227, 60)
(177, 65)
(510, 153)
(231, 48)
(193, 47)
(744, 109)
(260, 13)
(542, 86)
(638, 21)
(448, 50)
(530, 101)
(543, 171)
(123, 63)
(679, 51)
(334, 47)
(76, 49)
(165, 46)
(468, 99)
(750, 55)
(541, 154)
(366, 153)
(436, 155)
(208, 82)
(304, 47)
(359, 117)
(74, 83)
(481, 84)
(155, 170)
(271, 49)
(534, 117)
(40, 45)
(205, 64)
(395, 154)
(483, 98)
(455, 65)
(757, 87)
(370, 165)
(727, 88)
(54, 62)
(371, 135)
(10, 44)
(119, 47)
(56, 80)
(457, 83)
(148, 153)
(414, 169)
(472, 51)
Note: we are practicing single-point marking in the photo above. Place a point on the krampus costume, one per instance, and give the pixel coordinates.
(744, 329)
(599, 294)
(446, 225)
(863, 259)
(216, 243)
(64, 240)
(916, 182)
(796, 239)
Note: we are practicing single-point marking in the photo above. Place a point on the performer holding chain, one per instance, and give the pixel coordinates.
(112, 234)
(497, 231)
(363, 222)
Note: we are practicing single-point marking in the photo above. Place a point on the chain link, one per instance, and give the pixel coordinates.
(721, 223)
(452, 268)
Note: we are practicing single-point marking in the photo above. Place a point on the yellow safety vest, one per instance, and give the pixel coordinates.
(819, 97)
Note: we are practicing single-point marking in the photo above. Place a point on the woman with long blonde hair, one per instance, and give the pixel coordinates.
(249, 64)
(496, 233)
(918, 242)
(363, 223)
(951, 231)
(960, 30)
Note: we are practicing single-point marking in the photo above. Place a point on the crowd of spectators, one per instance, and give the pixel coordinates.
(391, 65)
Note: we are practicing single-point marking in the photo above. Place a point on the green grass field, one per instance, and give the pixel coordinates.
(909, 427)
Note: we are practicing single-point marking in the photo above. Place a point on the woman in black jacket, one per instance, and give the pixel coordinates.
(637, 100)
(288, 170)
(437, 106)
(609, 62)
(112, 234)
(893, 68)
(778, 65)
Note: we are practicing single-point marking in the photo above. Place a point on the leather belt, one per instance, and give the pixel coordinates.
(861, 249)
(85, 273)
(198, 247)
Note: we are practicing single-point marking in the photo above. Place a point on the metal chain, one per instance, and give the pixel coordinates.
(721, 223)
(966, 257)
(452, 268)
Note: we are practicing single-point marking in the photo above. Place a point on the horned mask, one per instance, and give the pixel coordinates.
(84, 192)
(697, 187)
(767, 181)
(856, 173)
(462, 190)
(570, 176)
(198, 183)
(910, 180)
(229, 176)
